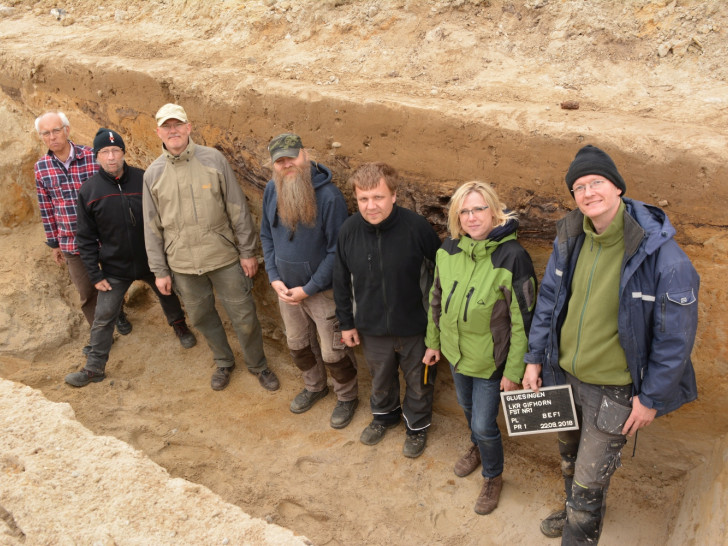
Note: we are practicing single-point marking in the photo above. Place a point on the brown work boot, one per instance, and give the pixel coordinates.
(221, 378)
(468, 462)
(489, 495)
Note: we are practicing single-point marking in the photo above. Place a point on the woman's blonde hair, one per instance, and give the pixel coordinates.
(486, 191)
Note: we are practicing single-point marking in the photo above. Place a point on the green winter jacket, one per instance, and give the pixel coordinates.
(481, 304)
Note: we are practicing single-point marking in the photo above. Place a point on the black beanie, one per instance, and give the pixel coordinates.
(107, 137)
(592, 160)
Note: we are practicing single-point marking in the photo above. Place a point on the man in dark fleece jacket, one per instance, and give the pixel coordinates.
(110, 238)
(302, 214)
(382, 275)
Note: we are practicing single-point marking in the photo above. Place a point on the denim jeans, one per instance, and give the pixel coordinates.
(480, 400)
(312, 323)
(384, 356)
(86, 289)
(235, 292)
(108, 306)
(592, 456)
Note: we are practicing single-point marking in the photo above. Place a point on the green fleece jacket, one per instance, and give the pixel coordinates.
(481, 304)
(589, 348)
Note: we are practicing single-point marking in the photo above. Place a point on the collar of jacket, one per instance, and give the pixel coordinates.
(186, 155)
(572, 226)
(496, 236)
(499, 233)
(112, 179)
(613, 234)
(385, 224)
(480, 249)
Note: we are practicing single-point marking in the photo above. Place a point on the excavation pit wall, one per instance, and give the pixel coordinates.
(523, 154)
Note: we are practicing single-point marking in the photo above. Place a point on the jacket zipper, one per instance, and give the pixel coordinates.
(449, 297)
(125, 204)
(194, 209)
(467, 302)
(384, 284)
(124, 200)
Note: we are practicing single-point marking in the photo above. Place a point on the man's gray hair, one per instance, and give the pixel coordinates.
(60, 114)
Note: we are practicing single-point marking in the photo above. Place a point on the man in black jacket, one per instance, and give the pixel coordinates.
(382, 274)
(110, 238)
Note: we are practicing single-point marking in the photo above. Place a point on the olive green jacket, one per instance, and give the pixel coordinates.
(196, 217)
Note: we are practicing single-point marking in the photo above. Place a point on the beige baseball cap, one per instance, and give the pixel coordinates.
(171, 111)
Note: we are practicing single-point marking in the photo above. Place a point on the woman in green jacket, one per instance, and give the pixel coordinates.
(481, 304)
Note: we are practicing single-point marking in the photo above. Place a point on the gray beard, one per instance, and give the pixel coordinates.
(296, 198)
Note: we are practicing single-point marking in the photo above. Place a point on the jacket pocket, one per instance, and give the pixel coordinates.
(170, 244)
(449, 296)
(227, 239)
(294, 273)
(675, 310)
(467, 303)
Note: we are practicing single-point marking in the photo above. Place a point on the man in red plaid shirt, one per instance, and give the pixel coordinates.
(58, 176)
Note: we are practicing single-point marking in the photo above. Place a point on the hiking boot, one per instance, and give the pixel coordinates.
(343, 413)
(489, 495)
(553, 525)
(84, 377)
(268, 380)
(468, 462)
(374, 433)
(123, 326)
(186, 338)
(414, 444)
(221, 378)
(305, 399)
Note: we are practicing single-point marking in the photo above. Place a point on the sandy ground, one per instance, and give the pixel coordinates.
(63, 492)
(447, 91)
(297, 472)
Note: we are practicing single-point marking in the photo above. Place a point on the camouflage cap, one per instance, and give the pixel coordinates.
(285, 145)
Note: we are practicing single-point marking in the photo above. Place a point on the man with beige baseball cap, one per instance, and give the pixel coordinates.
(201, 239)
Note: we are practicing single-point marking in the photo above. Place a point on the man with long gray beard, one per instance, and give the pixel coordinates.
(302, 214)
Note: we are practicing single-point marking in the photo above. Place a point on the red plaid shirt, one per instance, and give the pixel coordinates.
(57, 190)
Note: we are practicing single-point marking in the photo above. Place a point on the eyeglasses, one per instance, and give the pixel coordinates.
(170, 126)
(54, 132)
(593, 185)
(475, 211)
(110, 151)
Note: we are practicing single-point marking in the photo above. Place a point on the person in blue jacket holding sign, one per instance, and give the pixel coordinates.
(615, 319)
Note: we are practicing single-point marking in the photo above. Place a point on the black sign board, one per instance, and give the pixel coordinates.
(548, 410)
